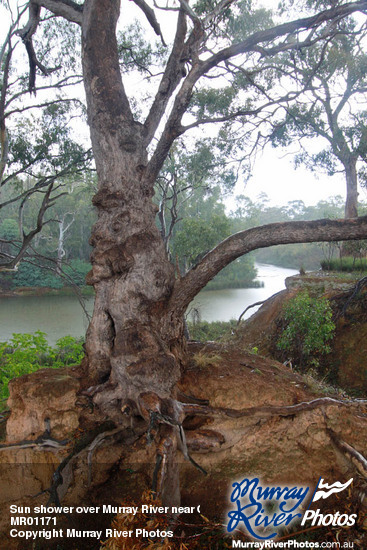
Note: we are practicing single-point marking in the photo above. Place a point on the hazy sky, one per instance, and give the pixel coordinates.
(277, 177)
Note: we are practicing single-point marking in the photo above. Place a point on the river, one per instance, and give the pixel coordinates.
(59, 316)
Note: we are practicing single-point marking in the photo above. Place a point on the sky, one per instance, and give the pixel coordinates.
(276, 176)
(273, 172)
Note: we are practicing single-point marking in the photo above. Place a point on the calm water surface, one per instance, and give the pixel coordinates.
(62, 315)
(223, 305)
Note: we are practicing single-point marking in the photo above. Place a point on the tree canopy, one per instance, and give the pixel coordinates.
(38, 148)
(331, 106)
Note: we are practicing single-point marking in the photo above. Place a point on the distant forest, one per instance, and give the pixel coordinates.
(60, 254)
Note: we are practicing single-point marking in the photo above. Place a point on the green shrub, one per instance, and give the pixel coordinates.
(308, 329)
(30, 275)
(77, 271)
(25, 353)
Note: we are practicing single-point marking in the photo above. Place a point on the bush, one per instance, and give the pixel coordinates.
(77, 271)
(26, 353)
(30, 275)
(308, 329)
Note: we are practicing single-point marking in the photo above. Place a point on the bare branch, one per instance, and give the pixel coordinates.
(27, 238)
(217, 11)
(150, 15)
(173, 73)
(190, 12)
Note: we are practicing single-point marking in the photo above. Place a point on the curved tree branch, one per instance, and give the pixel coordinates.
(266, 36)
(261, 237)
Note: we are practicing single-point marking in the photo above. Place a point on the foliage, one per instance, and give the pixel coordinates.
(39, 152)
(308, 329)
(32, 275)
(331, 109)
(204, 224)
(77, 271)
(345, 263)
(197, 236)
(239, 274)
(25, 353)
(9, 229)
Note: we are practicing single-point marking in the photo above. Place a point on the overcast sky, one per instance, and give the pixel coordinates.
(277, 177)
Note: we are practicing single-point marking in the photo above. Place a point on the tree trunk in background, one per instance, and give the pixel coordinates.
(351, 204)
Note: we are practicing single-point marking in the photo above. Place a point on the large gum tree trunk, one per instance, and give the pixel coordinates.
(132, 346)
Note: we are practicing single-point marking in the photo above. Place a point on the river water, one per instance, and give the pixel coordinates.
(223, 305)
(59, 316)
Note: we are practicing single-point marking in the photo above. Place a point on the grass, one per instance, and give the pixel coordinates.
(345, 264)
(203, 331)
(202, 360)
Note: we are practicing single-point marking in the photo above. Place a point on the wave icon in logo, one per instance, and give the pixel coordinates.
(324, 490)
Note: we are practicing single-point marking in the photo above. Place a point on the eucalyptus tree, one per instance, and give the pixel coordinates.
(333, 75)
(38, 152)
(135, 346)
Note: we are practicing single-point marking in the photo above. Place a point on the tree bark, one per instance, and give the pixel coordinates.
(130, 342)
(351, 204)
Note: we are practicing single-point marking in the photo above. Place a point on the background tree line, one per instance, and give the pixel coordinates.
(202, 222)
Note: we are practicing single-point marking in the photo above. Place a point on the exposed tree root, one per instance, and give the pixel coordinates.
(165, 418)
(43, 441)
(358, 287)
(162, 420)
(288, 410)
(91, 440)
(357, 459)
(249, 307)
